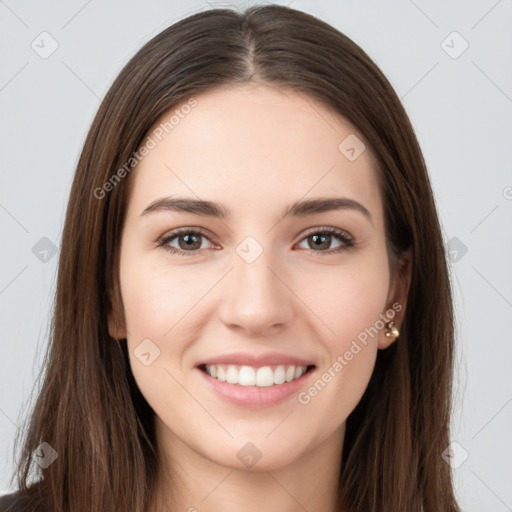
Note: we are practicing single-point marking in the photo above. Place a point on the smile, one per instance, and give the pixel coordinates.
(264, 376)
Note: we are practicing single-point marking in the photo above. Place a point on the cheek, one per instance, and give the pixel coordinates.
(349, 302)
(154, 298)
(154, 304)
(162, 312)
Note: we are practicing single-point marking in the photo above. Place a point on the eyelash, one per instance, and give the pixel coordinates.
(349, 242)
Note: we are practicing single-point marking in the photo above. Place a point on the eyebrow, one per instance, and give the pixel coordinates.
(213, 209)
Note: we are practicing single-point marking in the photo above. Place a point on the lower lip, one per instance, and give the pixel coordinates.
(255, 396)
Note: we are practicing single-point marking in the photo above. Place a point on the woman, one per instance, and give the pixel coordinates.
(253, 308)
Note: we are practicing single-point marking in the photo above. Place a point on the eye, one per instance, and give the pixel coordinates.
(190, 241)
(322, 237)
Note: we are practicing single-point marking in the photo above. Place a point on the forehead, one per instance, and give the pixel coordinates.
(255, 145)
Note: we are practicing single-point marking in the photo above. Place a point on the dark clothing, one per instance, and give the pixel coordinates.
(20, 501)
(13, 502)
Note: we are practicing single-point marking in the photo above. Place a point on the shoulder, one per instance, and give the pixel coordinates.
(18, 501)
(13, 502)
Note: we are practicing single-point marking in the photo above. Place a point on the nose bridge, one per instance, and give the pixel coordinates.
(254, 278)
(255, 298)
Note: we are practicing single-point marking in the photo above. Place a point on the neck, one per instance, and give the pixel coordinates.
(191, 482)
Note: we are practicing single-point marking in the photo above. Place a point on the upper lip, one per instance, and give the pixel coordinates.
(268, 359)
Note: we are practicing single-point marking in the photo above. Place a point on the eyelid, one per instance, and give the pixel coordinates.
(171, 235)
(348, 240)
(327, 229)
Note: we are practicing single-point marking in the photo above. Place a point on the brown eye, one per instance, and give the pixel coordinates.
(189, 242)
(320, 240)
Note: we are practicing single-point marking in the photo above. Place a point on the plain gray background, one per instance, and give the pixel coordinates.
(460, 103)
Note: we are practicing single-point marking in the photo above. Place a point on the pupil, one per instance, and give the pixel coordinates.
(190, 240)
(317, 237)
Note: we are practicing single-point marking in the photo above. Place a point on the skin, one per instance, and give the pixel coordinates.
(255, 150)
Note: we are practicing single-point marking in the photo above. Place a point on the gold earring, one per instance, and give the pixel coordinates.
(393, 332)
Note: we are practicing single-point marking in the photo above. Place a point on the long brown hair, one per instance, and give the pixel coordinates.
(89, 408)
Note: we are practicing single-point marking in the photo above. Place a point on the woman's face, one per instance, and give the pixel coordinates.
(254, 294)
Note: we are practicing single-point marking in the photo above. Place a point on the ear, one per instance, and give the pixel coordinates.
(116, 321)
(397, 297)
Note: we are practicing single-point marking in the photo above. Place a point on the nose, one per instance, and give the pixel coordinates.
(257, 298)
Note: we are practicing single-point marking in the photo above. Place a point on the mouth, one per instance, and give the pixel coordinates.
(256, 377)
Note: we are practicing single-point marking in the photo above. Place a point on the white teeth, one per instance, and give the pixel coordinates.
(299, 371)
(264, 376)
(232, 375)
(279, 375)
(247, 376)
(221, 373)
